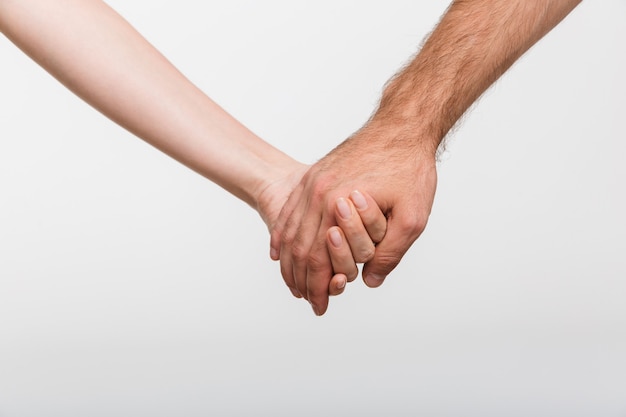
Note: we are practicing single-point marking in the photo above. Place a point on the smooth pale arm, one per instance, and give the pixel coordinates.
(98, 55)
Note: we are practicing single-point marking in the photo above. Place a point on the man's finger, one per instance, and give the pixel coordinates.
(348, 219)
(402, 230)
(371, 215)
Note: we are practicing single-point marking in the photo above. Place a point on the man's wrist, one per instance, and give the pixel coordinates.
(404, 132)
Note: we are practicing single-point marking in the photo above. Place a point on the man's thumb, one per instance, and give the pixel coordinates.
(402, 231)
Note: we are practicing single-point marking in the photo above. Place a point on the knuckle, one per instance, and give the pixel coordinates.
(319, 189)
(322, 187)
(317, 263)
(299, 253)
(365, 255)
(414, 225)
(287, 237)
(388, 261)
(289, 232)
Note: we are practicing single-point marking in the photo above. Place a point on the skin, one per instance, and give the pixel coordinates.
(393, 157)
(95, 53)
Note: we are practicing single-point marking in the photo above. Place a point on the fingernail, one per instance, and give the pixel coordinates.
(335, 237)
(341, 284)
(374, 279)
(358, 199)
(344, 209)
(274, 253)
(316, 310)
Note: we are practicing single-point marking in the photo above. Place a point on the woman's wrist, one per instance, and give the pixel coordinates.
(275, 188)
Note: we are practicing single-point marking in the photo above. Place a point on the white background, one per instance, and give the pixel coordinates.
(131, 286)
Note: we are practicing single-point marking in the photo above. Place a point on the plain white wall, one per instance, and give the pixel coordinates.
(131, 286)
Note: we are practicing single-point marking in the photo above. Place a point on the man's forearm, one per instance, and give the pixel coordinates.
(393, 156)
(475, 42)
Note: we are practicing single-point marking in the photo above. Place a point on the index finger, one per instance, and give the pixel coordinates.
(371, 215)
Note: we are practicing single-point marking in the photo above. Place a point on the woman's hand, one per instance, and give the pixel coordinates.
(360, 224)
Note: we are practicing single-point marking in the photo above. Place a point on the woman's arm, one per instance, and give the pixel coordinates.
(94, 52)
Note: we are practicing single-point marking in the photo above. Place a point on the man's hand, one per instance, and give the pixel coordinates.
(353, 241)
(385, 162)
(393, 157)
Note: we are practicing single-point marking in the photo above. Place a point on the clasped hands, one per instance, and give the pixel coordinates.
(366, 202)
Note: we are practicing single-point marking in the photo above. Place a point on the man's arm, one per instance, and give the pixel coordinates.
(393, 156)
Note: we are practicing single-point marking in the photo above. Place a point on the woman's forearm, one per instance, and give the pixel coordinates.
(99, 56)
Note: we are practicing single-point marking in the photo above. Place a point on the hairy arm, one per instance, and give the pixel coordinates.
(393, 156)
(473, 45)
